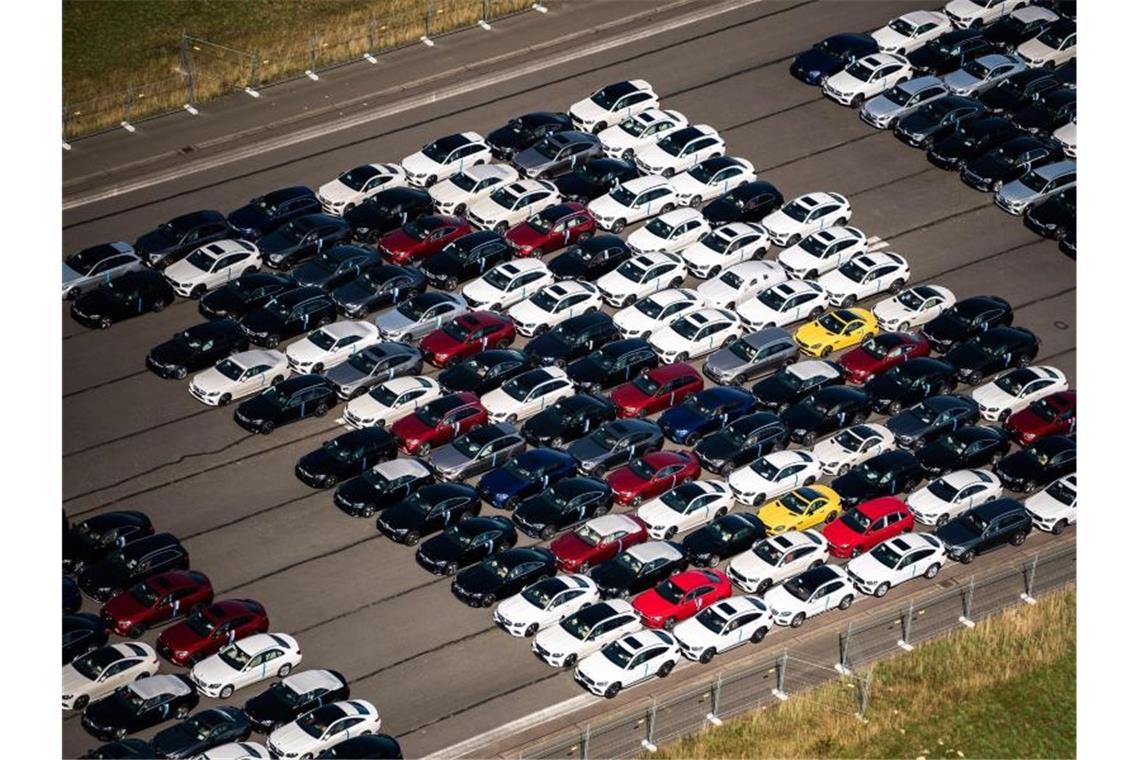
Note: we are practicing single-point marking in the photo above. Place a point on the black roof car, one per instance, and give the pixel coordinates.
(590, 258)
(202, 731)
(568, 419)
(380, 746)
(524, 131)
(82, 633)
(910, 382)
(1046, 113)
(429, 509)
(140, 705)
(485, 371)
(388, 209)
(502, 575)
(378, 286)
(741, 441)
(966, 447)
(1009, 31)
(615, 362)
(266, 213)
(172, 240)
(1052, 217)
(789, 385)
(594, 178)
(1009, 161)
(247, 293)
(465, 258)
(287, 314)
(628, 574)
(466, 542)
(571, 339)
(302, 238)
(992, 351)
(949, 51)
(886, 474)
(296, 398)
(1038, 464)
(335, 266)
(567, 502)
(985, 527)
(126, 296)
(725, 536)
(965, 319)
(1021, 88)
(287, 699)
(346, 455)
(133, 562)
(971, 139)
(831, 55)
(121, 748)
(932, 120)
(610, 444)
(825, 411)
(749, 202)
(97, 536)
(933, 416)
(196, 347)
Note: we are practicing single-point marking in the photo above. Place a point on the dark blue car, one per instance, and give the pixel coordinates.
(831, 55)
(267, 212)
(704, 412)
(525, 475)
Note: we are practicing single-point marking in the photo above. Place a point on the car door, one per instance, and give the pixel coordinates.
(694, 601)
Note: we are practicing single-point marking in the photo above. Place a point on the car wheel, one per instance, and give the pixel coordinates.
(411, 538)
(706, 656)
(73, 294)
(668, 172)
(226, 692)
(158, 306)
(1059, 527)
(695, 201)
(321, 409)
(810, 480)
(272, 341)
(848, 302)
(670, 532)
(268, 427)
(136, 631)
(547, 533)
(669, 623)
(1030, 486)
(830, 517)
(1018, 538)
(1023, 361)
(584, 568)
(571, 659)
(793, 240)
(451, 569)
(841, 221)
(825, 351)
(882, 589)
(942, 520)
(932, 570)
(423, 450)
(431, 180)
(628, 301)
(690, 439)
(683, 356)
(856, 552)
(182, 711)
(846, 601)
(450, 283)
(601, 509)
(798, 620)
(104, 323)
(121, 733)
(857, 101)
(758, 635)
(612, 690)
(763, 585)
(809, 438)
(904, 326)
(486, 601)
(894, 408)
(677, 281)
(618, 226)
(968, 557)
(80, 702)
(896, 286)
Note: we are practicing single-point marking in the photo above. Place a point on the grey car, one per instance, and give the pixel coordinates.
(980, 74)
(373, 365)
(616, 442)
(476, 451)
(882, 111)
(419, 315)
(1037, 185)
(751, 355)
(557, 153)
(97, 265)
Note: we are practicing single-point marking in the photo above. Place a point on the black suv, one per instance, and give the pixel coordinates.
(291, 313)
(170, 242)
(301, 239)
(569, 419)
(965, 319)
(591, 258)
(571, 339)
(465, 258)
(616, 362)
(886, 474)
(994, 350)
(349, 454)
(244, 295)
(196, 348)
(985, 527)
(298, 398)
(387, 210)
(136, 561)
(744, 440)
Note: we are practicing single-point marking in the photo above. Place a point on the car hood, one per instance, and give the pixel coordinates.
(371, 217)
(569, 546)
(510, 138)
(587, 450)
(402, 516)
(418, 163)
(103, 575)
(885, 388)
(774, 517)
(312, 273)
(1019, 465)
(518, 610)
(1044, 505)
(928, 57)
(501, 482)
(478, 580)
(990, 167)
(393, 322)
(249, 218)
(960, 81)
(346, 374)
(716, 448)
(96, 303)
(442, 548)
(175, 741)
(599, 669)
(74, 682)
(946, 328)
(547, 345)
(154, 243)
(411, 428)
(557, 641)
(588, 111)
(888, 38)
(266, 708)
(702, 542)
(275, 243)
(442, 264)
(211, 381)
(924, 502)
(851, 486)
(682, 418)
(530, 159)
(109, 712)
(354, 292)
(773, 391)
(1017, 192)
(610, 575)
(398, 241)
(881, 106)
(293, 740)
(70, 275)
(957, 533)
(968, 356)
(816, 61)
(721, 211)
(990, 395)
(906, 424)
(576, 186)
(259, 408)
(123, 607)
(1033, 50)
(336, 191)
(723, 360)
(320, 462)
(583, 371)
(869, 569)
(172, 352)
(449, 458)
(802, 417)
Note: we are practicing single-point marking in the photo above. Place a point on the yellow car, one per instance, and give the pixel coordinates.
(803, 508)
(836, 330)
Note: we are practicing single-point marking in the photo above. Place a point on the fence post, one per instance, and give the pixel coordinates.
(426, 38)
(781, 674)
(865, 694)
(650, 720)
(907, 619)
(1027, 595)
(968, 606)
(311, 72)
(712, 716)
(371, 39)
(585, 746)
(251, 88)
(187, 62)
(484, 18)
(126, 122)
(844, 642)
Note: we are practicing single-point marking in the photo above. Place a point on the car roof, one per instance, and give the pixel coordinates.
(672, 371)
(1049, 171)
(960, 478)
(923, 16)
(906, 542)
(788, 456)
(155, 686)
(345, 328)
(918, 84)
(653, 550)
(308, 680)
(997, 507)
(767, 335)
(610, 523)
(254, 644)
(516, 267)
(638, 184)
(812, 368)
(396, 468)
(879, 60)
(485, 171)
(817, 576)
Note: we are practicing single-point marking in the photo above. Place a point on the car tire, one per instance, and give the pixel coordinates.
(584, 568)
(80, 702)
(158, 306)
(706, 656)
(670, 532)
(612, 690)
(855, 552)
(932, 571)
(695, 201)
(683, 356)
(182, 712)
(321, 409)
(121, 733)
(825, 351)
(431, 180)
(531, 630)
(450, 284)
(571, 659)
(896, 286)
(882, 589)
(846, 601)
(904, 326)
(1023, 361)
(894, 408)
(793, 240)
(809, 438)
(968, 557)
(104, 323)
(486, 601)
(798, 620)
(941, 520)
(451, 569)
(268, 427)
(668, 172)
(1059, 527)
(226, 692)
(136, 631)
(1017, 539)
(601, 509)
(423, 450)
(669, 623)
(272, 341)
(618, 226)
(677, 282)
(758, 635)
(848, 302)
(411, 538)
(198, 292)
(547, 533)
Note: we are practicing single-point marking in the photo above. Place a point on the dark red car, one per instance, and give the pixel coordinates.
(467, 335)
(438, 422)
(421, 238)
(550, 229)
(1056, 414)
(878, 354)
(596, 541)
(680, 597)
(653, 474)
(659, 388)
(158, 599)
(863, 527)
(209, 629)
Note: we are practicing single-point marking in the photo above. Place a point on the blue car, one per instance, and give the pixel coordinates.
(705, 412)
(830, 56)
(525, 475)
(267, 212)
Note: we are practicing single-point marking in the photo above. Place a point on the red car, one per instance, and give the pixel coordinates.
(438, 422)
(596, 541)
(467, 335)
(207, 630)
(651, 475)
(1056, 414)
(878, 354)
(550, 229)
(680, 597)
(156, 600)
(863, 527)
(419, 239)
(659, 388)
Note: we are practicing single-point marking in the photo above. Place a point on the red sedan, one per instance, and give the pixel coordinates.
(417, 240)
(1056, 414)
(438, 422)
(863, 527)
(156, 600)
(652, 475)
(551, 229)
(680, 597)
(596, 541)
(467, 335)
(207, 630)
(878, 354)
(659, 388)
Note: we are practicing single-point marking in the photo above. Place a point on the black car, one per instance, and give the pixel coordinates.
(485, 371)
(196, 348)
(377, 287)
(202, 731)
(380, 746)
(1009, 31)
(724, 537)
(909, 383)
(266, 213)
(72, 596)
(572, 339)
(569, 419)
(524, 131)
(345, 456)
(594, 178)
(969, 140)
(825, 411)
(614, 363)
(886, 474)
(935, 119)
(966, 447)
(140, 705)
(796, 382)
(949, 51)
(82, 633)
(380, 488)
(244, 295)
(286, 700)
(1038, 464)
(172, 241)
(1021, 89)
(465, 543)
(742, 441)
(429, 509)
(336, 266)
(387, 210)
(287, 314)
(987, 526)
(502, 575)
(301, 239)
(466, 258)
(965, 319)
(1054, 216)
(1046, 113)
(134, 562)
(96, 537)
(1009, 161)
(933, 417)
(992, 351)
(566, 503)
(590, 258)
(126, 296)
(830, 56)
(298, 398)
(638, 568)
(124, 748)
(750, 202)
(615, 443)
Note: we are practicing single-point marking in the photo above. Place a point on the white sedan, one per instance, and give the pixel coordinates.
(727, 245)
(553, 305)
(852, 446)
(680, 151)
(645, 316)
(506, 284)
(973, 14)
(513, 203)
(390, 401)
(805, 215)
(357, 185)
(244, 662)
(246, 750)
(445, 158)
(635, 132)
(865, 276)
(1054, 508)
(685, 507)
(641, 275)
(1017, 389)
(897, 560)
(775, 559)
(722, 626)
(101, 671)
(211, 266)
(810, 593)
(544, 603)
(1066, 135)
(633, 200)
(1054, 46)
(458, 193)
(712, 178)
(239, 375)
(783, 303)
(822, 251)
(867, 77)
(774, 475)
(741, 282)
(696, 334)
(670, 232)
(328, 346)
(585, 632)
(945, 498)
(324, 727)
(909, 32)
(527, 394)
(612, 103)
(913, 307)
(628, 661)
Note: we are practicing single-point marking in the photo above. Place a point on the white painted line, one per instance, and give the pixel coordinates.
(312, 75)
(966, 621)
(780, 695)
(514, 727)
(1028, 599)
(905, 646)
(190, 109)
(649, 746)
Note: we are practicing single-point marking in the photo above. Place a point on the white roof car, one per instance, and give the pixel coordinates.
(553, 305)
(670, 232)
(634, 658)
(460, 191)
(544, 603)
(913, 307)
(689, 505)
(775, 559)
(972, 14)
(680, 150)
(1036, 185)
(211, 266)
(983, 73)
(1066, 134)
(646, 315)
(810, 593)
(944, 498)
(358, 185)
(695, 334)
(328, 346)
(510, 204)
(774, 475)
(507, 283)
(722, 626)
(852, 446)
(445, 158)
(910, 31)
(783, 303)
(624, 139)
(806, 214)
(712, 178)
(101, 671)
(867, 77)
(324, 727)
(246, 661)
(235, 751)
(391, 401)
(525, 395)
(1055, 507)
(897, 560)
(740, 282)
(238, 375)
(612, 103)
(633, 200)
(725, 246)
(864, 276)
(585, 632)
(1017, 389)
(822, 251)
(641, 275)
(1056, 45)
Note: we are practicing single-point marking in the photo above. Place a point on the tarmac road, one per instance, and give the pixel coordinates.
(438, 671)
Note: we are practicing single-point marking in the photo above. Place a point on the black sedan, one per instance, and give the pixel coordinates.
(139, 706)
(830, 56)
(969, 140)
(909, 383)
(463, 259)
(266, 213)
(886, 474)
(285, 700)
(428, 510)
(566, 503)
(377, 287)
(196, 348)
(825, 411)
(967, 447)
(1054, 216)
(298, 398)
(744, 440)
(615, 443)
(1045, 114)
(724, 537)
(134, 562)
(614, 363)
(96, 537)
(595, 178)
(569, 419)
(345, 456)
(590, 258)
(949, 51)
(123, 748)
(290, 313)
(502, 575)
(965, 319)
(524, 131)
(750, 202)
(465, 543)
(936, 119)
(387, 210)
(82, 633)
(638, 568)
(1009, 31)
(933, 417)
(202, 731)
(126, 296)
(1009, 161)
(572, 339)
(244, 295)
(380, 746)
(992, 351)
(171, 241)
(796, 382)
(302, 238)
(381, 487)
(1021, 89)
(1038, 464)
(485, 371)
(336, 266)
(72, 596)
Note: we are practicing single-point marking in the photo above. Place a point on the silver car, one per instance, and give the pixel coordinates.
(97, 265)
(557, 153)
(1036, 186)
(753, 354)
(882, 111)
(476, 451)
(376, 364)
(419, 315)
(980, 74)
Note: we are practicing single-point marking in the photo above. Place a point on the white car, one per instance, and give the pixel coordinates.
(445, 158)
(867, 77)
(101, 671)
(775, 559)
(459, 192)
(729, 244)
(897, 560)
(722, 626)
(244, 662)
(783, 303)
(239, 375)
(506, 284)
(633, 200)
(711, 179)
(585, 632)
(1054, 46)
(741, 282)
(357, 185)
(612, 103)
(390, 401)
(1017, 389)
(1066, 135)
(973, 14)
(807, 214)
(680, 151)
(324, 727)
(822, 251)
(865, 276)
(810, 593)
(670, 232)
(982, 74)
(696, 334)
(910, 31)
(328, 346)
(235, 751)
(513, 203)
(212, 265)
(635, 132)
(913, 307)
(944, 498)
(685, 507)
(641, 275)
(1054, 508)
(774, 475)
(634, 658)
(553, 305)
(852, 446)
(544, 603)
(525, 395)
(646, 315)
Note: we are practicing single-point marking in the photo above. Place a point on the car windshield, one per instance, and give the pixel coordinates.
(1044, 410)
(869, 474)
(641, 469)
(650, 307)
(738, 431)
(505, 197)
(341, 451)
(602, 359)
(1062, 492)
(540, 594)
(910, 300)
(856, 520)
(363, 361)
(902, 26)
(952, 444)
(797, 588)
(860, 71)
(576, 627)
(604, 437)
(143, 594)
(773, 298)
(630, 563)
(1053, 37)
(608, 96)
(322, 340)
(414, 230)
(285, 694)
(439, 150)
(589, 535)
(974, 521)
(547, 148)
(292, 232)
(816, 245)
(900, 378)
(632, 270)
(92, 664)
(428, 415)
(924, 414)
(315, 723)
(1034, 181)
(278, 308)
(413, 309)
(660, 228)
(497, 567)
(976, 69)
(520, 387)
(686, 328)
(886, 555)
(794, 503)
(699, 405)
(454, 330)
(634, 126)
(355, 178)
(199, 623)
(591, 173)
(767, 552)
(732, 279)
(674, 143)
(715, 242)
(326, 262)
(646, 385)
(1011, 383)
(622, 195)
(234, 657)
(764, 469)
(848, 440)
(83, 261)
(521, 471)
(679, 498)
(464, 182)
(853, 271)
(383, 395)
(897, 95)
(379, 480)
(712, 619)
(201, 260)
(702, 173)
(942, 490)
(670, 591)
(741, 349)
(832, 323)
(468, 446)
(540, 223)
(497, 278)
